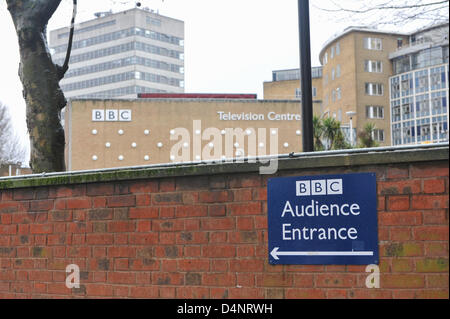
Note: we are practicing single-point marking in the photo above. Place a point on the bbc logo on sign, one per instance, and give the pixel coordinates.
(111, 115)
(319, 187)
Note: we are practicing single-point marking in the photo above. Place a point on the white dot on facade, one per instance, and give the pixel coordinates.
(133, 145)
(211, 145)
(249, 132)
(146, 132)
(108, 144)
(172, 132)
(197, 157)
(261, 144)
(298, 132)
(286, 144)
(146, 157)
(172, 157)
(236, 144)
(94, 158)
(120, 132)
(223, 132)
(185, 145)
(120, 157)
(274, 132)
(197, 132)
(94, 132)
(159, 144)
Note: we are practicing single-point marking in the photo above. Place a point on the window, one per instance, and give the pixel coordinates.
(339, 93)
(298, 93)
(155, 22)
(332, 52)
(395, 106)
(422, 105)
(325, 58)
(374, 112)
(378, 135)
(333, 96)
(374, 89)
(421, 79)
(407, 108)
(373, 44)
(395, 88)
(338, 71)
(314, 91)
(333, 74)
(338, 48)
(373, 66)
(402, 64)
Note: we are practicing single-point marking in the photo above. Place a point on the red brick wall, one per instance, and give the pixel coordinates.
(206, 236)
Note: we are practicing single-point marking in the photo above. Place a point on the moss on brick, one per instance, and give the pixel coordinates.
(432, 265)
(315, 160)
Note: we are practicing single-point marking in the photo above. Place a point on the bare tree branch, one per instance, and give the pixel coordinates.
(396, 13)
(62, 70)
(384, 6)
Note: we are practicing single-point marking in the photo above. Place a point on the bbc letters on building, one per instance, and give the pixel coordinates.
(323, 220)
(111, 115)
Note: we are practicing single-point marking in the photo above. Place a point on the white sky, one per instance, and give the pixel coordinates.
(231, 46)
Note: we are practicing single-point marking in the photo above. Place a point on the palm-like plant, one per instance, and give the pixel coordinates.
(366, 136)
(317, 133)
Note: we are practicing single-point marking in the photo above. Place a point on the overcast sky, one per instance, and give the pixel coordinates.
(231, 46)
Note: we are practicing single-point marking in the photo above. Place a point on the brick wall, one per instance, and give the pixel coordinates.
(205, 236)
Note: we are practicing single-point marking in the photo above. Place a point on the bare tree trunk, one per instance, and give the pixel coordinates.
(40, 78)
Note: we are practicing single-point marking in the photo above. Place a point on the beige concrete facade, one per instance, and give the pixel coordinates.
(286, 90)
(342, 86)
(178, 130)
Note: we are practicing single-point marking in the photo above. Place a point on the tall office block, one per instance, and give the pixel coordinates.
(419, 94)
(122, 54)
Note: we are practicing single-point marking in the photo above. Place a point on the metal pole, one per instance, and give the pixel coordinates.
(306, 78)
(351, 131)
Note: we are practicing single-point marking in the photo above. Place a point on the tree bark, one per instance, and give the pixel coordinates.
(40, 78)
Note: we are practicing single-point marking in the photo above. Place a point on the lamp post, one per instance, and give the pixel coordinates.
(351, 114)
(305, 71)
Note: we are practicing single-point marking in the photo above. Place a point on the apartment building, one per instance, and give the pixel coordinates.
(122, 54)
(285, 84)
(397, 81)
(419, 95)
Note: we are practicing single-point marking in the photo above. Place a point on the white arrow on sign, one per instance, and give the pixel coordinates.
(275, 253)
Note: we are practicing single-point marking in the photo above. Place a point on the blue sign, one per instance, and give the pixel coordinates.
(323, 220)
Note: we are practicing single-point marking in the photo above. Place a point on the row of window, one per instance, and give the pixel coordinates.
(298, 92)
(372, 112)
(369, 66)
(113, 36)
(421, 81)
(372, 89)
(287, 75)
(336, 95)
(135, 60)
(423, 130)
(121, 92)
(120, 77)
(130, 46)
(334, 50)
(422, 59)
(87, 29)
(369, 43)
(424, 105)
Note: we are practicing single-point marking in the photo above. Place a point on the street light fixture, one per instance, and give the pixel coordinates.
(351, 114)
